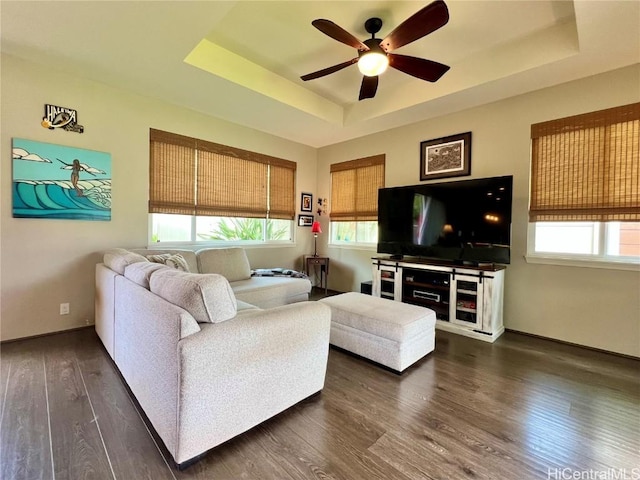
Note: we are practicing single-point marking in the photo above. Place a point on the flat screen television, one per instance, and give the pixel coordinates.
(466, 221)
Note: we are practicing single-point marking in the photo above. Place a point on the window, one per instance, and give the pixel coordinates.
(613, 241)
(354, 200)
(201, 191)
(585, 186)
(173, 228)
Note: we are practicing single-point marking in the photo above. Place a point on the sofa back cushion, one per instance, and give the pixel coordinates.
(231, 263)
(207, 297)
(140, 272)
(118, 258)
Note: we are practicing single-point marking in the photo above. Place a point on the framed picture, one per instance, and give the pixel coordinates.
(305, 220)
(306, 202)
(59, 182)
(446, 157)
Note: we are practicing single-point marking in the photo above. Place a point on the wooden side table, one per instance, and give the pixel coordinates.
(319, 261)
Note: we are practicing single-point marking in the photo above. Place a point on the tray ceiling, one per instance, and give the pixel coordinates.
(242, 61)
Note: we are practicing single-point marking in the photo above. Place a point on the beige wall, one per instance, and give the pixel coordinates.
(48, 262)
(594, 307)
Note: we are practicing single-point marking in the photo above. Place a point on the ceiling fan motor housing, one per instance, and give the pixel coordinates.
(374, 46)
(373, 25)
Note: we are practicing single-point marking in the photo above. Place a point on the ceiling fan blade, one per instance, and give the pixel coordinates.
(418, 67)
(338, 33)
(427, 20)
(328, 70)
(368, 88)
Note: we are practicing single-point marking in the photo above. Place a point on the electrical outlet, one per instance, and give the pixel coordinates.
(64, 309)
(86, 321)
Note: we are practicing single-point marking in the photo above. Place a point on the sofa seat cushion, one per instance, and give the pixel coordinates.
(245, 308)
(231, 263)
(188, 255)
(207, 297)
(268, 292)
(118, 258)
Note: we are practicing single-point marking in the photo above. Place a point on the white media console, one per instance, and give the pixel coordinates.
(467, 299)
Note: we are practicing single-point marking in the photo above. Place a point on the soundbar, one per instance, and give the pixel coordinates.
(426, 295)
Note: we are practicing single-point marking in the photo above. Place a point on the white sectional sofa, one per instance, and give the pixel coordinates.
(203, 358)
(233, 264)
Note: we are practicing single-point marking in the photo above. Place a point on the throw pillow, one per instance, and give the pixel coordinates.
(207, 297)
(118, 258)
(176, 261)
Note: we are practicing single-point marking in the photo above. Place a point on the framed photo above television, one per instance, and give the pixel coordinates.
(446, 157)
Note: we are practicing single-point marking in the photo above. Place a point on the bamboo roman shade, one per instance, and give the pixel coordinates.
(587, 167)
(172, 174)
(354, 189)
(223, 181)
(281, 190)
(231, 187)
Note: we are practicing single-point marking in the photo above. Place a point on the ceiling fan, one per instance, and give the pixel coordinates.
(374, 55)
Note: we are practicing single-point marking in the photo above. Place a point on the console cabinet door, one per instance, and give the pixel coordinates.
(493, 292)
(387, 282)
(468, 305)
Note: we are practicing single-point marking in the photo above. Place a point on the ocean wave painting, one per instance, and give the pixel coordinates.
(59, 199)
(58, 182)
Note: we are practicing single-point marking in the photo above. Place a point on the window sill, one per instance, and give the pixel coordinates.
(354, 246)
(199, 245)
(581, 262)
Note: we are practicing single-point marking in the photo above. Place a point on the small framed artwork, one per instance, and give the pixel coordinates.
(305, 220)
(446, 157)
(306, 202)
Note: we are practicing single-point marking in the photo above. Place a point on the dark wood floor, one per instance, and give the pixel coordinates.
(522, 408)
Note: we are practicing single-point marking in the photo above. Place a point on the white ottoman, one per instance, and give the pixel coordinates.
(393, 334)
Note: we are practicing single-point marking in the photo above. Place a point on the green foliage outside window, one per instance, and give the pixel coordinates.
(245, 229)
(345, 231)
(354, 232)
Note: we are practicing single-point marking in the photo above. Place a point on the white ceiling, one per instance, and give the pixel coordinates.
(242, 61)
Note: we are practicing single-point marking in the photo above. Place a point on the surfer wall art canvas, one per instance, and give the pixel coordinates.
(58, 182)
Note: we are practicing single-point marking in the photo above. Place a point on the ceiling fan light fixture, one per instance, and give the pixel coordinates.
(374, 55)
(373, 63)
